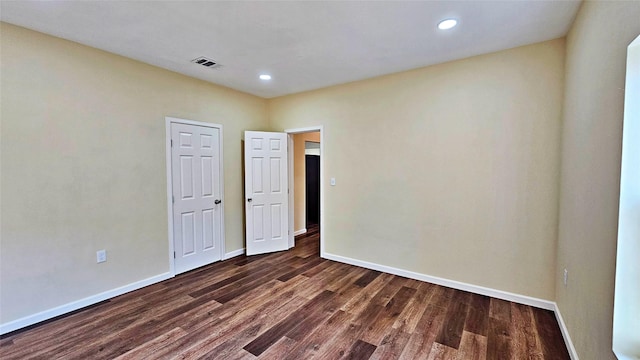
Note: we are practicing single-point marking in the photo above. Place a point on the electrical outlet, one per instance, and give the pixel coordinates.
(565, 277)
(101, 256)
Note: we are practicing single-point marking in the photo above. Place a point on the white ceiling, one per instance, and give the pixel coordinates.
(304, 45)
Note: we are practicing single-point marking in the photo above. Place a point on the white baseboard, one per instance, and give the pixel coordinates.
(499, 294)
(299, 232)
(79, 304)
(233, 254)
(565, 333)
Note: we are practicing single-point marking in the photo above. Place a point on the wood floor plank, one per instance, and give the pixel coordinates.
(243, 355)
(391, 345)
(188, 282)
(320, 338)
(499, 339)
(265, 298)
(360, 350)
(377, 293)
(293, 305)
(318, 269)
(229, 346)
(349, 335)
(477, 320)
(442, 352)
(385, 319)
(385, 295)
(358, 303)
(367, 278)
(551, 340)
(282, 346)
(344, 279)
(310, 320)
(500, 309)
(91, 337)
(472, 346)
(43, 340)
(148, 349)
(234, 316)
(235, 331)
(423, 338)
(6, 342)
(203, 314)
(272, 335)
(244, 260)
(451, 333)
(228, 337)
(524, 334)
(332, 281)
(443, 297)
(238, 310)
(408, 319)
(224, 282)
(300, 270)
(199, 277)
(245, 285)
(110, 344)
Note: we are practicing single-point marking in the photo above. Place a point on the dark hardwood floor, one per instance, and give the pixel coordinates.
(293, 305)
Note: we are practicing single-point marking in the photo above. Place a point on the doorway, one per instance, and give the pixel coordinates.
(306, 181)
(306, 171)
(312, 183)
(282, 216)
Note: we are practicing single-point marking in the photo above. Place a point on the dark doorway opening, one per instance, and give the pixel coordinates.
(312, 180)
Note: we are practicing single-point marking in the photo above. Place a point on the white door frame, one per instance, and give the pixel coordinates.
(290, 133)
(168, 122)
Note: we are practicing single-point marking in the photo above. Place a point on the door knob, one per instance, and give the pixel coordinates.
(218, 201)
(249, 199)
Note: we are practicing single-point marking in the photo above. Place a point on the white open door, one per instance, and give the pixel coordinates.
(266, 191)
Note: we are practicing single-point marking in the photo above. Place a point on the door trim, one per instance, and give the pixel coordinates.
(290, 133)
(168, 122)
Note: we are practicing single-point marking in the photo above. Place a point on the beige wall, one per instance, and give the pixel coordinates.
(299, 177)
(83, 167)
(450, 170)
(592, 134)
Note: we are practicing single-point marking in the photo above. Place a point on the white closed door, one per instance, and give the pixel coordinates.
(266, 191)
(197, 198)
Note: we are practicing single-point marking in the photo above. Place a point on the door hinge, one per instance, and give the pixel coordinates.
(173, 199)
(171, 142)
(174, 254)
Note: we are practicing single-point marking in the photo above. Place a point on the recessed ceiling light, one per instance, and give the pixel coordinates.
(447, 24)
(265, 77)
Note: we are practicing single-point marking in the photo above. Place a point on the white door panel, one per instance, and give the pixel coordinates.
(197, 213)
(266, 194)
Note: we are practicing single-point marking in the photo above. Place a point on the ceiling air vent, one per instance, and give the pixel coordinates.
(204, 61)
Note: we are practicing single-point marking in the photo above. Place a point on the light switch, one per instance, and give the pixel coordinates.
(333, 181)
